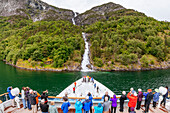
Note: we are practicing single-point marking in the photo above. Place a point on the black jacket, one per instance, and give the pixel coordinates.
(44, 96)
(149, 98)
(122, 99)
(32, 99)
(44, 107)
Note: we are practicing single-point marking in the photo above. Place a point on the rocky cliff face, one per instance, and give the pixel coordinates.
(97, 13)
(34, 9)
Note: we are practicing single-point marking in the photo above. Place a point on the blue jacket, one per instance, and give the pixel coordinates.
(156, 97)
(87, 104)
(65, 106)
(78, 106)
(145, 94)
(98, 109)
(91, 98)
(9, 93)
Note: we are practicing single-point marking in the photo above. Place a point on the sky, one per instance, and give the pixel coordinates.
(158, 9)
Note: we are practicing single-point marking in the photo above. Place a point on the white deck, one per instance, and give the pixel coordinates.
(83, 88)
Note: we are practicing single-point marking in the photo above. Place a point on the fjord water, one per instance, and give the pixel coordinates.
(56, 82)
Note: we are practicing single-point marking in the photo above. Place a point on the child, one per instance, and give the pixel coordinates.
(78, 106)
(65, 105)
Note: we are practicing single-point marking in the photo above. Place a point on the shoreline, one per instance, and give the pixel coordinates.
(94, 67)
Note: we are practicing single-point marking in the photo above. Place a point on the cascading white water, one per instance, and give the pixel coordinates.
(85, 60)
(73, 18)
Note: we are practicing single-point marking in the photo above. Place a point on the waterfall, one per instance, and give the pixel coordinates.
(73, 18)
(86, 58)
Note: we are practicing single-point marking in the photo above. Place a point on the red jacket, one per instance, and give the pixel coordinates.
(132, 100)
(74, 89)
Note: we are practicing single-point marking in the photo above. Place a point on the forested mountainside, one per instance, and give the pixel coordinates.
(36, 35)
(43, 43)
(129, 42)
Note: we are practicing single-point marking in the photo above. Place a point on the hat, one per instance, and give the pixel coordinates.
(139, 89)
(124, 92)
(99, 105)
(157, 90)
(135, 94)
(149, 90)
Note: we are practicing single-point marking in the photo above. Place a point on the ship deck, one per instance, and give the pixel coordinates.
(82, 89)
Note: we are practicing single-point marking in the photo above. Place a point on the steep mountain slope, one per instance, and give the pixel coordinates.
(34, 9)
(104, 12)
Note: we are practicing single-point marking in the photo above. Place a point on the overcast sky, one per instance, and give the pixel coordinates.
(159, 9)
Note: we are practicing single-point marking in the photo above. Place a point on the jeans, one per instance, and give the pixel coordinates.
(24, 103)
(86, 111)
(28, 104)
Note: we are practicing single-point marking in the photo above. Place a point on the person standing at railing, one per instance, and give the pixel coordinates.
(145, 94)
(33, 95)
(65, 105)
(106, 95)
(23, 97)
(132, 100)
(106, 105)
(139, 101)
(122, 100)
(52, 108)
(78, 106)
(98, 109)
(44, 107)
(44, 96)
(90, 98)
(27, 93)
(149, 98)
(165, 97)
(10, 96)
(86, 105)
(155, 98)
(114, 103)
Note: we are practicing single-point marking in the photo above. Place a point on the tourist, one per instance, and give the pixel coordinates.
(92, 80)
(160, 99)
(44, 106)
(145, 94)
(87, 105)
(94, 85)
(149, 98)
(164, 97)
(27, 98)
(139, 100)
(106, 105)
(11, 96)
(17, 101)
(78, 106)
(23, 91)
(44, 96)
(132, 110)
(106, 95)
(132, 90)
(132, 100)
(85, 79)
(122, 99)
(90, 98)
(155, 98)
(33, 95)
(97, 89)
(38, 95)
(98, 109)
(89, 79)
(75, 84)
(52, 108)
(114, 103)
(65, 105)
(74, 89)
(1, 107)
(66, 95)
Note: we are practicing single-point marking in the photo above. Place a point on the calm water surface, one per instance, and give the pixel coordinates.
(56, 82)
